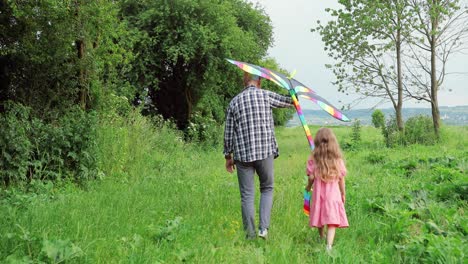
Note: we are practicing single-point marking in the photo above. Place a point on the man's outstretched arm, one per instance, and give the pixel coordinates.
(279, 101)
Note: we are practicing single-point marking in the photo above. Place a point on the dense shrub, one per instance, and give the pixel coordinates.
(129, 144)
(32, 148)
(15, 143)
(378, 119)
(205, 130)
(391, 133)
(419, 129)
(111, 105)
(375, 158)
(282, 115)
(356, 132)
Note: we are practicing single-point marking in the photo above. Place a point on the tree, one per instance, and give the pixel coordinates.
(366, 39)
(378, 119)
(439, 31)
(37, 52)
(54, 57)
(181, 49)
(57, 54)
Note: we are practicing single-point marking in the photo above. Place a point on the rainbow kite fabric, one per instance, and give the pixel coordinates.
(295, 89)
(308, 93)
(307, 196)
(262, 72)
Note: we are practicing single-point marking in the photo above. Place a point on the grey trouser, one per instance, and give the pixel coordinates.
(245, 174)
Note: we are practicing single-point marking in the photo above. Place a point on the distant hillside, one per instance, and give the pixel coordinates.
(457, 115)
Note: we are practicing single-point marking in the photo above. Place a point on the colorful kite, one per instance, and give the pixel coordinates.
(295, 89)
(307, 196)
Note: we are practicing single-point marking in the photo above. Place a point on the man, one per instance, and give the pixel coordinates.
(250, 145)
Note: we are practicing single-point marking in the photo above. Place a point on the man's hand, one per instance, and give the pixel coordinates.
(230, 167)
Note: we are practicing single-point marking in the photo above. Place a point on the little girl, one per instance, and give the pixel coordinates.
(326, 171)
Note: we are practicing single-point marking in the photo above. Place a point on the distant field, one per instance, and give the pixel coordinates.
(454, 116)
(166, 202)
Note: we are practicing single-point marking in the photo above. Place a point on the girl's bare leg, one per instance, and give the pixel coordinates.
(320, 231)
(330, 236)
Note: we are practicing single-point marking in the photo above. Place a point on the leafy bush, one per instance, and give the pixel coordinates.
(35, 149)
(449, 182)
(282, 115)
(378, 118)
(408, 167)
(445, 161)
(15, 143)
(356, 132)
(128, 144)
(30, 248)
(391, 133)
(111, 105)
(204, 129)
(346, 146)
(419, 129)
(433, 248)
(375, 158)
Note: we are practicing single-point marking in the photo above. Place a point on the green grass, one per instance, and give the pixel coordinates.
(162, 201)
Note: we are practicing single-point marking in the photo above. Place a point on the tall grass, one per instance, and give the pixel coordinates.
(163, 201)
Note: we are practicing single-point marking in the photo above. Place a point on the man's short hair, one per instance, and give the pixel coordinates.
(250, 77)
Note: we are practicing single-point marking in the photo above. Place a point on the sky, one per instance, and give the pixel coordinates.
(297, 48)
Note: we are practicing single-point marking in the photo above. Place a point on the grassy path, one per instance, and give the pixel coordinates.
(169, 203)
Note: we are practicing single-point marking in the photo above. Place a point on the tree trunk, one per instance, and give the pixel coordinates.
(188, 101)
(434, 91)
(436, 116)
(399, 115)
(434, 81)
(80, 46)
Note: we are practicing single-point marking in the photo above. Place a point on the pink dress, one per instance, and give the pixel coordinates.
(326, 208)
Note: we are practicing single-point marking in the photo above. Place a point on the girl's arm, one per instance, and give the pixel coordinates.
(310, 182)
(310, 173)
(342, 185)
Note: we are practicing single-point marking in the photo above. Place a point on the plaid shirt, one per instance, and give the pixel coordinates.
(249, 130)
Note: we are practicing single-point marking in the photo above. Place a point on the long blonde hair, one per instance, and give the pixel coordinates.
(327, 155)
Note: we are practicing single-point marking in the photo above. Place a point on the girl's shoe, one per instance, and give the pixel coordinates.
(329, 248)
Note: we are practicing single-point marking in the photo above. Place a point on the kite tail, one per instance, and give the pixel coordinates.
(307, 196)
(301, 118)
